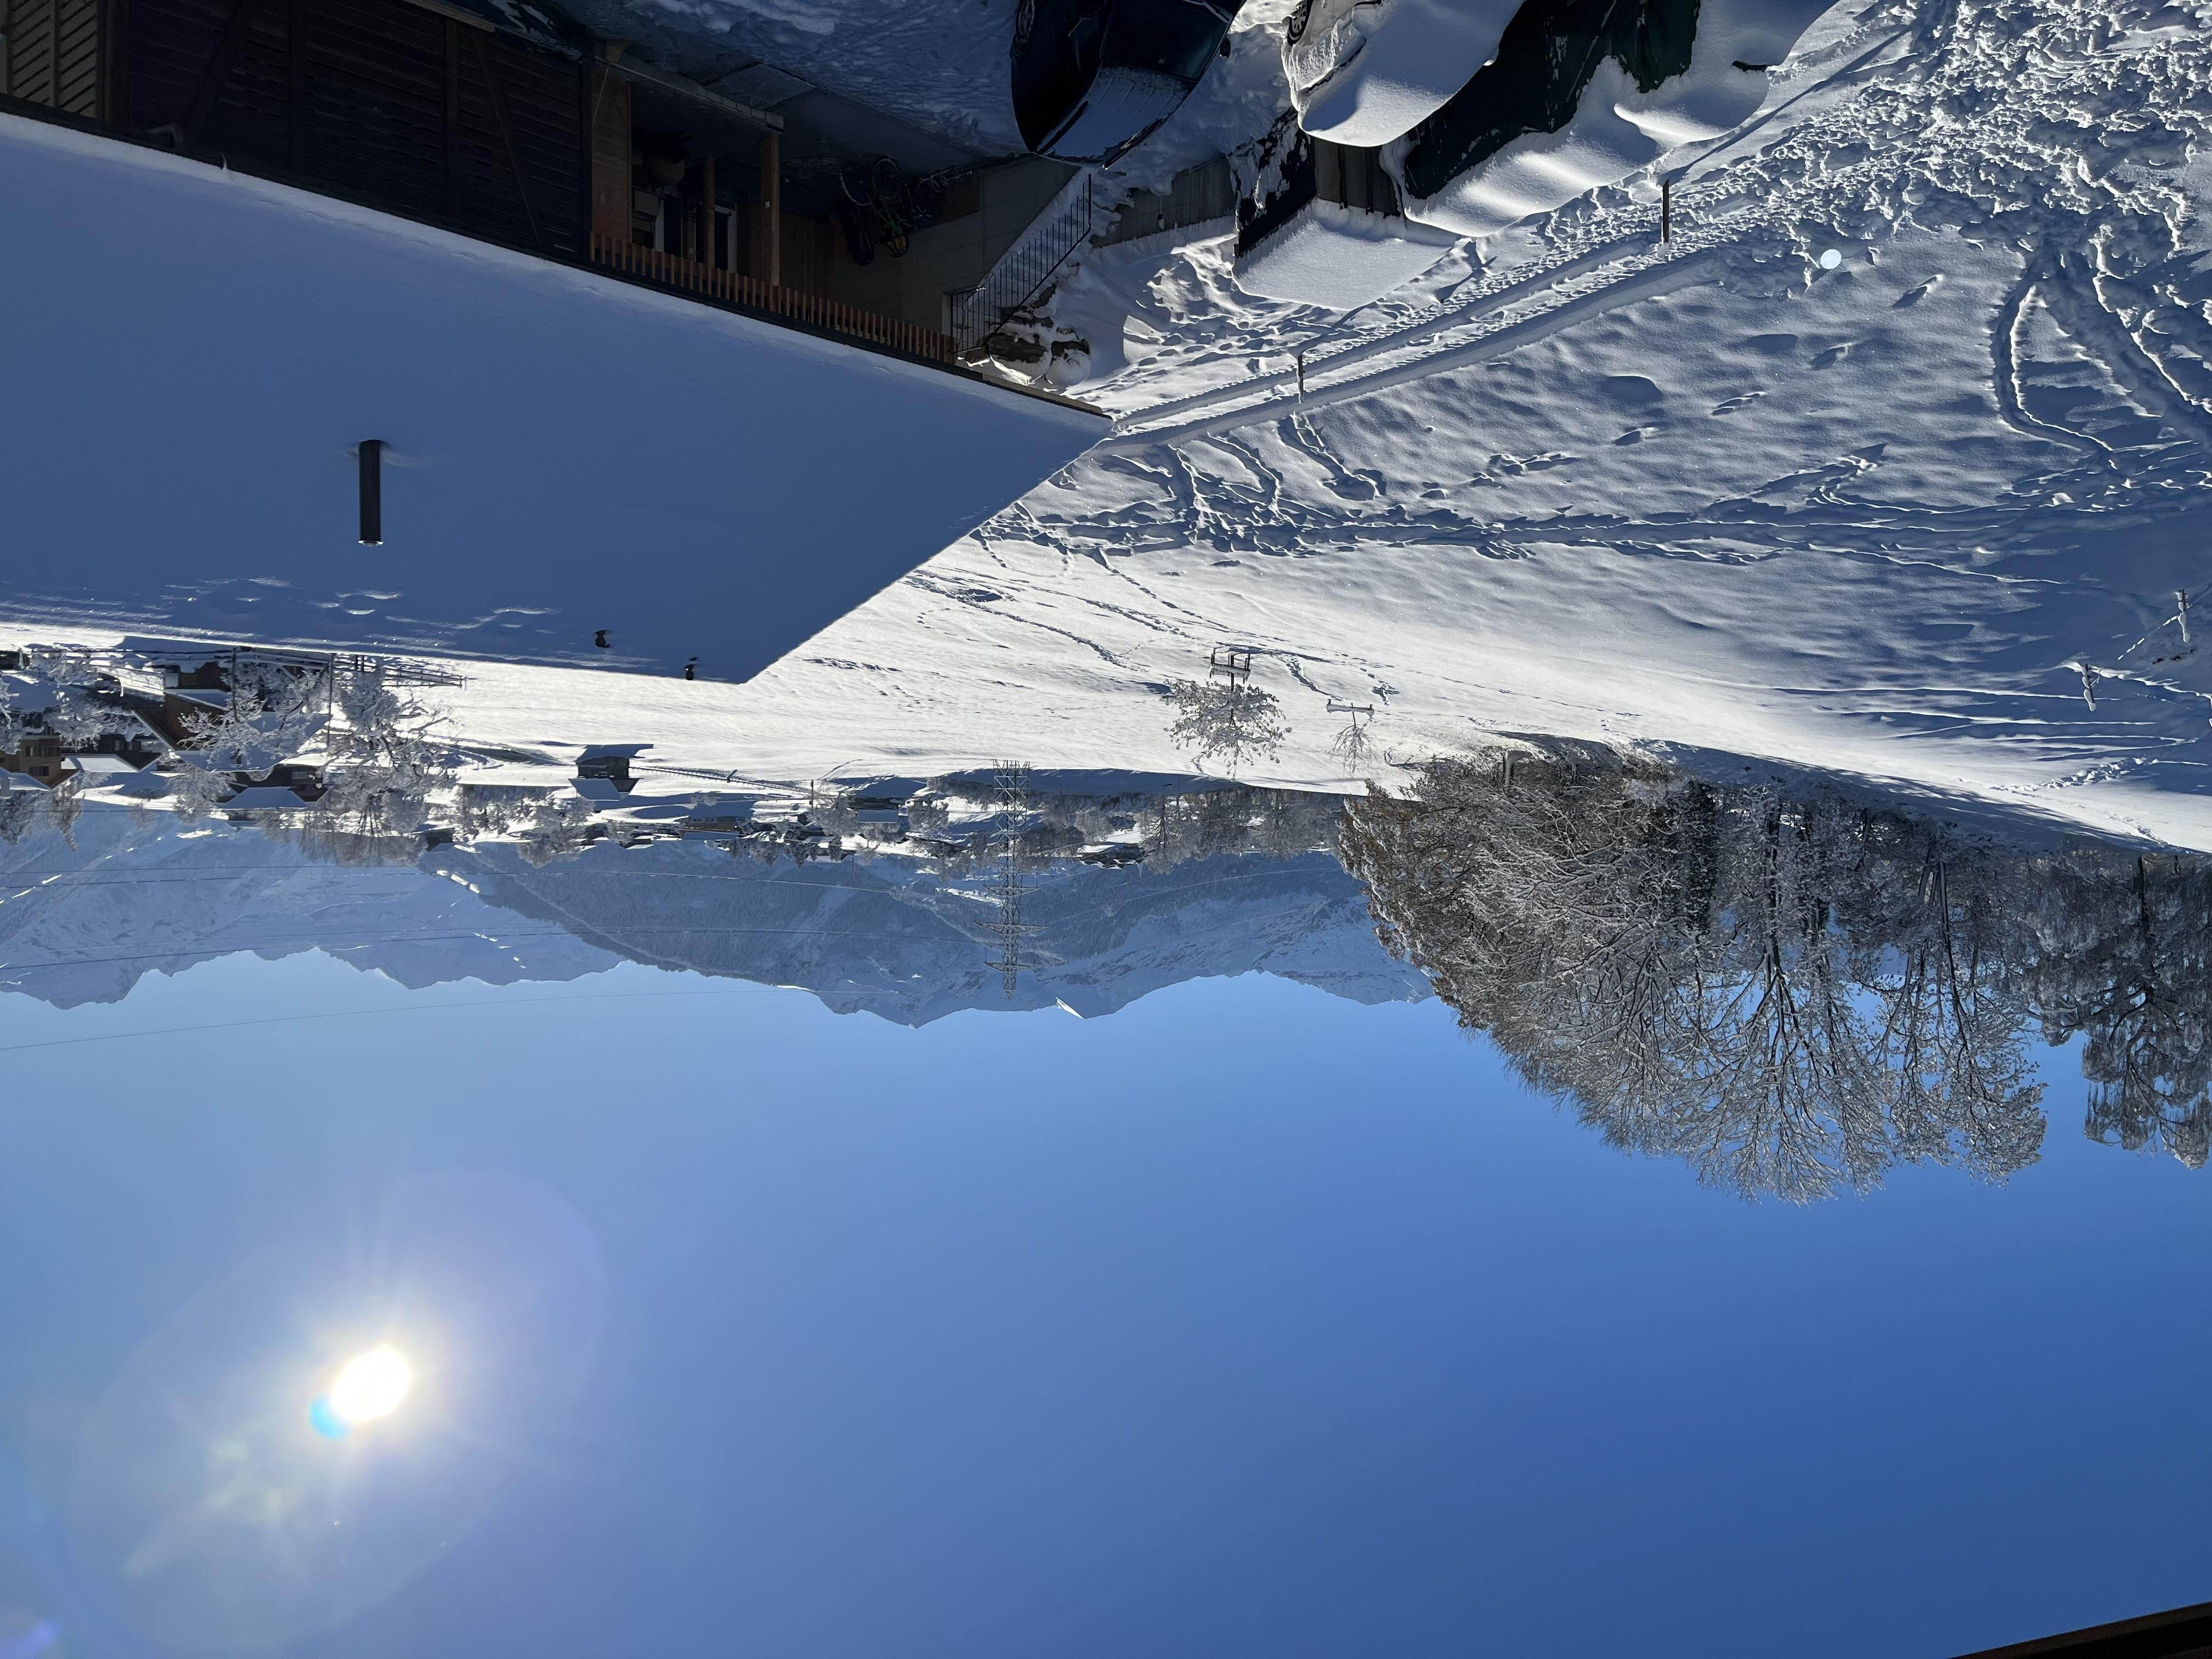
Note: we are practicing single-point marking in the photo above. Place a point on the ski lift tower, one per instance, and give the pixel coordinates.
(1009, 885)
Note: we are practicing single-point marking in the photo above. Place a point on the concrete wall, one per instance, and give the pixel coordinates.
(954, 253)
(1197, 196)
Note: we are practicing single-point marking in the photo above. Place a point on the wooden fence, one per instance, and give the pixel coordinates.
(750, 294)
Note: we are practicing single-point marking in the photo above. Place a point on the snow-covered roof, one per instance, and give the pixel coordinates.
(952, 448)
(655, 812)
(265, 797)
(1339, 257)
(147, 785)
(28, 693)
(101, 768)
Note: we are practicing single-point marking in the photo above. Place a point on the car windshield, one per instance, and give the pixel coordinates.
(1175, 37)
(1055, 67)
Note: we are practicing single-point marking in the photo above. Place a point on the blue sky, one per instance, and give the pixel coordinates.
(1246, 1321)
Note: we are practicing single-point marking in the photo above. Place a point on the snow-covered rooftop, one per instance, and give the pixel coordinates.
(568, 458)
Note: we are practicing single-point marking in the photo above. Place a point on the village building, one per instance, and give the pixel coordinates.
(39, 758)
(672, 162)
(35, 744)
(630, 352)
(605, 771)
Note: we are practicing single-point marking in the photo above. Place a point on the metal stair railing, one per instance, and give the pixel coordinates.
(1026, 267)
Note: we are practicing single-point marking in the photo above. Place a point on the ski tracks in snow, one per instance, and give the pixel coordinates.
(2046, 140)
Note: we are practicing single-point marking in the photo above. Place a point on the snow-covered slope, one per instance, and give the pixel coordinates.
(1708, 493)
(1711, 493)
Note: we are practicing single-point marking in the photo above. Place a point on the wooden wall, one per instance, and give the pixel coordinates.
(50, 53)
(381, 102)
(809, 252)
(611, 190)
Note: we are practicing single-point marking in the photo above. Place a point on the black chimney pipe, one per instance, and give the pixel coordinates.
(372, 492)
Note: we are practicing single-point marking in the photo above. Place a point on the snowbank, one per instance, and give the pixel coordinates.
(1340, 257)
(1366, 71)
(1618, 128)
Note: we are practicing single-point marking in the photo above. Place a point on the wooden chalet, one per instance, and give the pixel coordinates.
(40, 754)
(38, 757)
(516, 124)
(47, 760)
(347, 433)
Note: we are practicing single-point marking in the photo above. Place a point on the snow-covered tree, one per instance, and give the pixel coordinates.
(21, 811)
(197, 786)
(267, 718)
(388, 757)
(1714, 976)
(1232, 721)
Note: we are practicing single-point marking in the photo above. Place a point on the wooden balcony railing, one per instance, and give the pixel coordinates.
(733, 287)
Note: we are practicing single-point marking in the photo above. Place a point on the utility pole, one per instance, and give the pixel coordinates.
(1008, 885)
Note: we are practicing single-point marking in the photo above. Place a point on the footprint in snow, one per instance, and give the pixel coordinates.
(1512, 465)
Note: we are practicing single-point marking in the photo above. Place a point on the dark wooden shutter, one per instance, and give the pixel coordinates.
(375, 102)
(384, 103)
(52, 54)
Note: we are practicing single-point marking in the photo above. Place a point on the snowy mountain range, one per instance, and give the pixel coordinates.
(146, 893)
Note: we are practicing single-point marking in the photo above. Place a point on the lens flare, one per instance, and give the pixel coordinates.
(372, 1385)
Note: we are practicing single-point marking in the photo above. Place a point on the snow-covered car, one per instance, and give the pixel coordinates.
(1366, 71)
(1092, 77)
(1586, 93)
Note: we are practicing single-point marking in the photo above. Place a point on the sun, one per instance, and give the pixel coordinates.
(370, 1386)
